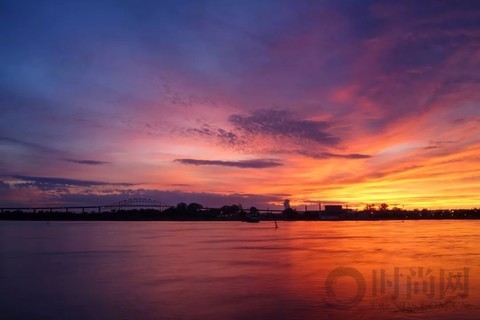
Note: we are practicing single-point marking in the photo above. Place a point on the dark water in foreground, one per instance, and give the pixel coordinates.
(235, 270)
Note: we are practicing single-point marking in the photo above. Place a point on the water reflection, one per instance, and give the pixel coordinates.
(233, 270)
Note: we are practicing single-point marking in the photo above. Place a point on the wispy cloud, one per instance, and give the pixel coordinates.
(283, 123)
(224, 137)
(439, 145)
(88, 162)
(27, 144)
(56, 182)
(257, 164)
(329, 155)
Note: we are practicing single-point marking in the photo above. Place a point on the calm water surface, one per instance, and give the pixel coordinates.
(235, 270)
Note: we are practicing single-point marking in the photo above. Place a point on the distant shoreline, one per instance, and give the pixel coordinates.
(155, 215)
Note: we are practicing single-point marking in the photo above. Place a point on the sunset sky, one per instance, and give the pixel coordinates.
(251, 102)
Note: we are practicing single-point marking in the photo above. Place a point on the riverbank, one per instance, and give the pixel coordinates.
(215, 215)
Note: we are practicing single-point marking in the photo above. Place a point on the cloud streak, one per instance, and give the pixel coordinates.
(329, 155)
(88, 162)
(47, 182)
(27, 145)
(244, 164)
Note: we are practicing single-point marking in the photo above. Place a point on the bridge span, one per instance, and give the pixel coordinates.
(134, 203)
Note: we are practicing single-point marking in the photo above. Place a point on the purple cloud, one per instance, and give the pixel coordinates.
(328, 155)
(53, 183)
(273, 122)
(257, 163)
(224, 137)
(88, 162)
(28, 145)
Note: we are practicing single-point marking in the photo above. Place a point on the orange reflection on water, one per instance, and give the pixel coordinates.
(390, 269)
(235, 270)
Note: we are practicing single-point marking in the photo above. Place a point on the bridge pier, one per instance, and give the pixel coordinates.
(99, 209)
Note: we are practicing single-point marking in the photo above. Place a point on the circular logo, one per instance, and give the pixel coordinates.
(334, 299)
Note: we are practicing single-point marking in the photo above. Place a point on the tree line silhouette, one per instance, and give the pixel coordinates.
(197, 212)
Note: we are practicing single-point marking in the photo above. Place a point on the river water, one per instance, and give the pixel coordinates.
(236, 270)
